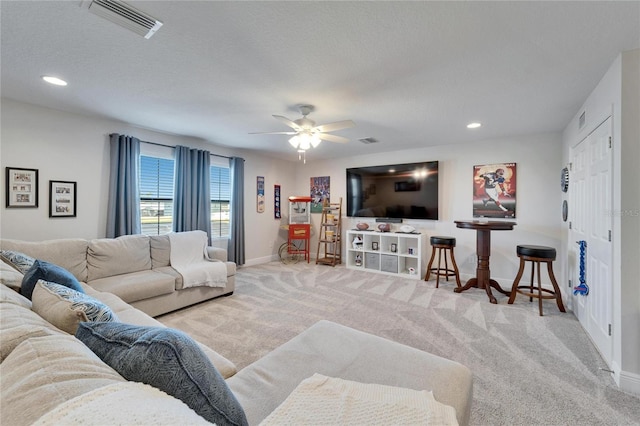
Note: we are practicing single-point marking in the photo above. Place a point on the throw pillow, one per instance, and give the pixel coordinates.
(41, 270)
(66, 308)
(18, 260)
(168, 360)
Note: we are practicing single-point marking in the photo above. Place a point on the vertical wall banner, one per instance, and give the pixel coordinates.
(277, 212)
(494, 190)
(260, 201)
(320, 191)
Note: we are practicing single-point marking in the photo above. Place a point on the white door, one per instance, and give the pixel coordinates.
(590, 191)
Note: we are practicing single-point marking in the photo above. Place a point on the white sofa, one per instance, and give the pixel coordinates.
(46, 372)
(136, 268)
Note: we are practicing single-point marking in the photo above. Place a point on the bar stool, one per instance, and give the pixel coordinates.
(536, 255)
(443, 245)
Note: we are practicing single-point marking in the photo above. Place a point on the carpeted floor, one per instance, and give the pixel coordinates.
(528, 370)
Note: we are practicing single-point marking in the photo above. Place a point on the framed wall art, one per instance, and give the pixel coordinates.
(494, 190)
(22, 187)
(320, 191)
(62, 199)
(260, 190)
(277, 211)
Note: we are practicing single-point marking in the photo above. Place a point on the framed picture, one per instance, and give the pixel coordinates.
(494, 190)
(260, 192)
(277, 212)
(320, 192)
(374, 245)
(22, 187)
(62, 199)
(394, 248)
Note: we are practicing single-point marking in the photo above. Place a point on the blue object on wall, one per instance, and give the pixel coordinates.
(583, 288)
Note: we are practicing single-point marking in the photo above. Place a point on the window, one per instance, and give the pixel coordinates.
(156, 192)
(220, 183)
(156, 195)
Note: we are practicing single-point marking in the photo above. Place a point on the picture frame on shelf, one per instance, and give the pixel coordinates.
(374, 245)
(62, 198)
(394, 247)
(22, 188)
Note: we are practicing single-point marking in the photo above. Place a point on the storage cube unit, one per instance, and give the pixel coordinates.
(389, 253)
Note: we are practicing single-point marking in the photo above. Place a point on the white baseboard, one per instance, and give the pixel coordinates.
(629, 382)
(261, 260)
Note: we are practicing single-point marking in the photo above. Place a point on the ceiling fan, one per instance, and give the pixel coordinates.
(306, 134)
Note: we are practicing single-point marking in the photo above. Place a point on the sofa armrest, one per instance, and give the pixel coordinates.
(217, 253)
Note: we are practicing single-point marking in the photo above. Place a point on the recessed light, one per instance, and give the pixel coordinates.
(473, 125)
(54, 80)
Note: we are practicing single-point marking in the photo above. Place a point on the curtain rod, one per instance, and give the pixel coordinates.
(172, 146)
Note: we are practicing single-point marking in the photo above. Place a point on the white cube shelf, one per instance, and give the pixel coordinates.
(390, 253)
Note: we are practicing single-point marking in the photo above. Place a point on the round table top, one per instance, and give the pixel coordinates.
(494, 225)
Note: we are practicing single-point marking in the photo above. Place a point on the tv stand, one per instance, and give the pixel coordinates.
(390, 253)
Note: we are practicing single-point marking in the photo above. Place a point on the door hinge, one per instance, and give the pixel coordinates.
(609, 141)
(569, 224)
(570, 167)
(570, 283)
(609, 235)
(609, 329)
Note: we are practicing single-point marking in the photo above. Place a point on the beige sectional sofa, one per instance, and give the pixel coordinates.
(135, 268)
(50, 377)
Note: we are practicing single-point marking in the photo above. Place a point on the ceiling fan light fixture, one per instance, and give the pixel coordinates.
(295, 141)
(315, 140)
(305, 140)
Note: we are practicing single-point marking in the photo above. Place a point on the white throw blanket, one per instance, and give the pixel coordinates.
(330, 401)
(126, 403)
(189, 257)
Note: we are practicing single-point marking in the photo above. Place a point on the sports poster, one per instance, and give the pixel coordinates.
(494, 190)
(320, 190)
(260, 187)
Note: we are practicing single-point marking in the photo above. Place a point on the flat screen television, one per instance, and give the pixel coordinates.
(398, 191)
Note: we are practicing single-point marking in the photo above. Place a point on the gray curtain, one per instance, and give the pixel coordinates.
(192, 197)
(236, 227)
(123, 210)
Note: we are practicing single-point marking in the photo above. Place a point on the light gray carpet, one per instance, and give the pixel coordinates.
(528, 370)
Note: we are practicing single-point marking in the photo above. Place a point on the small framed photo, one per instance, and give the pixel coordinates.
(394, 248)
(374, 245)
(22, 187)
(62, 199)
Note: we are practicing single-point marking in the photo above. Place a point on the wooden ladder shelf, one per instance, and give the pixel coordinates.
(330, 238)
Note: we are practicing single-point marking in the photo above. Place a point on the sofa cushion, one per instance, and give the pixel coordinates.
(115, 256)
(43, 270)
(66, 308)
(18, 322)
(160, 251)
(21, 262)
(136, 285)
(10, 276)
(70, 253)
(168, 360)
(43, 372)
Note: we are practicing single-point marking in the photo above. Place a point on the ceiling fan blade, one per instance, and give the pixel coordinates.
(332, 138)
(273, 133)
(288, 122)
(338, 125)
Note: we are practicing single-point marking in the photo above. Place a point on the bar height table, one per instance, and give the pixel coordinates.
(483, 250)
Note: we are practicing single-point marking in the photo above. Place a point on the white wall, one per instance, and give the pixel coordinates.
(539, 215)
(618, 94)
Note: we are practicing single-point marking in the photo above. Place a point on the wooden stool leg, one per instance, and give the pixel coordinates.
(533, 270)
(438, 271)
(446, 265)
(433, 255)
(455, 269)
(514, 287)
(539, 289)
(556, 288)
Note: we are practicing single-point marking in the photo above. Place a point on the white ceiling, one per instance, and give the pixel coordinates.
(410, 74)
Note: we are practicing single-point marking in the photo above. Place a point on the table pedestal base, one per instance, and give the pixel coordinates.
(473, 282)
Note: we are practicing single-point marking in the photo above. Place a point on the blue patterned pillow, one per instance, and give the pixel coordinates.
(166, 359)
(41, 270)
(18, 260)
(66, 308)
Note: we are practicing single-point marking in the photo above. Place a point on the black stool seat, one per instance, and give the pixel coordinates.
(443, 241)
(536, 255)
(541, 252)
(442, 244)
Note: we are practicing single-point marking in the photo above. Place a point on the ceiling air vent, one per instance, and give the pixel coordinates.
(367, 141)
(126, 16)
